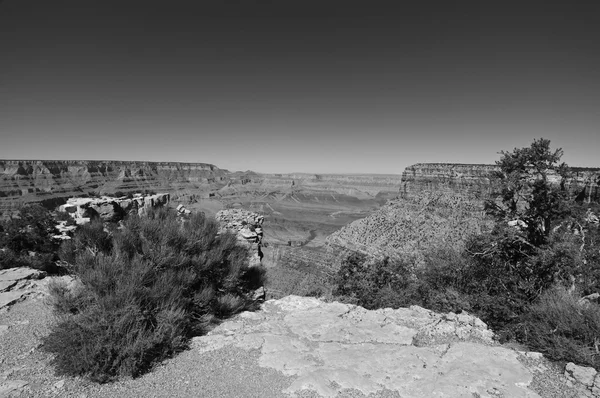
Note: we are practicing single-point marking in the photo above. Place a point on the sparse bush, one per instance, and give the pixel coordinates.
(159, 283)
(561, 328)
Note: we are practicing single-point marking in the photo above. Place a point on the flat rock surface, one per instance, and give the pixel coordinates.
(18, 283)
(330, 348)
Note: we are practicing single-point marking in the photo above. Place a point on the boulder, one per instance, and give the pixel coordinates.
(581, 374)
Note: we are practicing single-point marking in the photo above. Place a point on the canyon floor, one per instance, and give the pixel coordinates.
(293, 347)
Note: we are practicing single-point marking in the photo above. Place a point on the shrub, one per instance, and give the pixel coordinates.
(26, 239)
(160, 282)
(91, 237)
(375, 283)
(562, 329)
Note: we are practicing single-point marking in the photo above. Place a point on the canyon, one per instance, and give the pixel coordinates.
(312, 220)
(301, 225)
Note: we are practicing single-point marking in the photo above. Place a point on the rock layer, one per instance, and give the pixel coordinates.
(53, 181)
(331, 348)
(475, 181)
(24, 181)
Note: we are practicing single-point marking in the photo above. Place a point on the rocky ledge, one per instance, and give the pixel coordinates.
(82, 210)
(248, 228)
(334, 349)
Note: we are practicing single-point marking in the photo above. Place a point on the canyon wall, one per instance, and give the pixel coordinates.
(474, 181)
(439, 206)
(52, 181)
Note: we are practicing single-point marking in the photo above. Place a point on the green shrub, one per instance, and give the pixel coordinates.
(562, 329)
(160, 283)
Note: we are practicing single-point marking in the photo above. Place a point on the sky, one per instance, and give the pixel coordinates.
(298, 86)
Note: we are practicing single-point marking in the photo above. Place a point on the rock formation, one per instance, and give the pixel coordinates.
(52, 182)
(334, 348)
(474, 181)
(111, 209)
(248, 228)
(18, 283)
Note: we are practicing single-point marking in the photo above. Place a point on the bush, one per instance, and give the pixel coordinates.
(562, 329)
(141, 298)
(91, 237)
(26, 240)
(376, 283)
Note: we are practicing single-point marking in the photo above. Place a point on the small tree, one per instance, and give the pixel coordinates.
(532, 186)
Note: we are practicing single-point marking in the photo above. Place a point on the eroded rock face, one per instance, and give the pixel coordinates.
(23, 181)
(248, 228)
(473, 181)
(331, 347)
(112, 209)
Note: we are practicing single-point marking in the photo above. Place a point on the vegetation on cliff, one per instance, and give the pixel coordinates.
(523, 277)
(26, 239)
(143, 290)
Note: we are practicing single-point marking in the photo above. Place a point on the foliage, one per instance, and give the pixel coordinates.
(563, 329)
(376, 283)
(527, 193)
(92, 237)
(142, 297)
(26, 239)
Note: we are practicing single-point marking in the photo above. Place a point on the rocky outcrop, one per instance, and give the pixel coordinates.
(248, 228)
(112, 209)
(585, 379)
(16, 284)
(334, 348)
(475, 182)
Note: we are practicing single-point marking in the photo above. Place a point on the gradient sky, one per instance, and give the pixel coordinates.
(331, 87)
